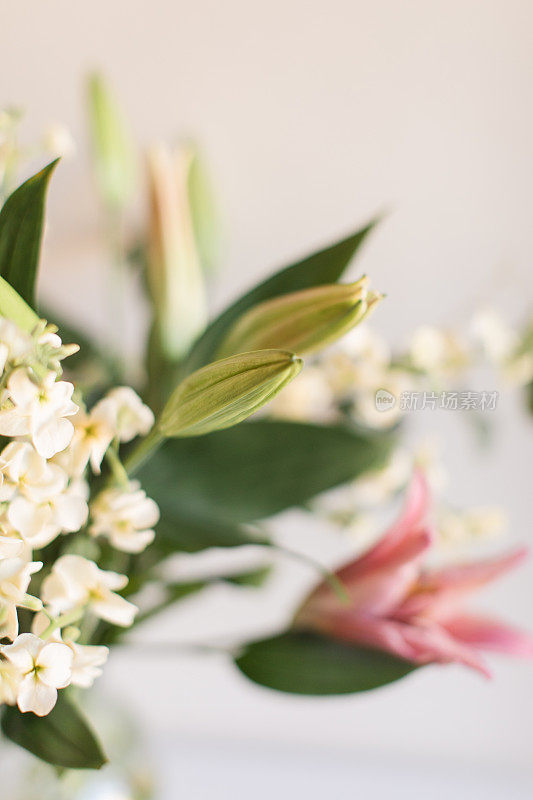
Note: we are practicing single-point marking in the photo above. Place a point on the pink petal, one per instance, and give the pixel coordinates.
(490, 635)
(439, 592)
(421, 644)
(409, 524)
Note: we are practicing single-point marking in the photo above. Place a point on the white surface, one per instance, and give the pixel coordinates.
(315, 115)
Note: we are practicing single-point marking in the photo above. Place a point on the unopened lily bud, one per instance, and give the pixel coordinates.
(15, 309)
(302, 321)
(226, 392)
(112, 146)
(175, 275)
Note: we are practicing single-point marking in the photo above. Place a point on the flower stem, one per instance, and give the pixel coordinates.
(68, 618)
(143, 451)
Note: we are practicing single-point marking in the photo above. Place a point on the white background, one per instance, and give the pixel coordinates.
(313, 117)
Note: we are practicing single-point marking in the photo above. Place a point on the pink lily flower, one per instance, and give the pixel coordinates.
(397, 606)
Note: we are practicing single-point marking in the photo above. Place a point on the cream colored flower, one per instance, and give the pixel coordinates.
(44, 668)
(307, 398)
(43, 510)
(433, 350)
(58, 141)
(9, 681)
(125, 413)
(87, 660)
(77, 581)
(93, 434)
(126, 517)
(15, 576)
(497, 339)
(38, 411)
(15, 345)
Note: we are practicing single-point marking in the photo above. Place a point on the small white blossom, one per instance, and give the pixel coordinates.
(126, 517)
(9, 682)
(44, 668)
(15, 576)
(15, 345)
(92, 436)
(307, 398)
(87, 660)
(43, 510)
(39, 411)
(58, 141)
(77, 581)
(125, 413)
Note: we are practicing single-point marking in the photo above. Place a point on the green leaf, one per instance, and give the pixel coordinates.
(257, 469)
(179, 530)
(21, 226)
(307, 663)
(325, 266)
(62, 738)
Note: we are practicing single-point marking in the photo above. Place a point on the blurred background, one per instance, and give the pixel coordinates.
(313, 117)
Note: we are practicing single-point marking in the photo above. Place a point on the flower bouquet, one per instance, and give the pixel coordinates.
(102, 483)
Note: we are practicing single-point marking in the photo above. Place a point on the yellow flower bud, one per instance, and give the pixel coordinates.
(226, 392)
(302, 321)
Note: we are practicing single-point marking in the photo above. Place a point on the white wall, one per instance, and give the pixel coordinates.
(314, 115)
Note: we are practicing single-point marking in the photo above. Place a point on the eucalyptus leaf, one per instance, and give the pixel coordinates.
(257, 469)
(307, 663)
(324, 266)
(62, 738)
(21, 227)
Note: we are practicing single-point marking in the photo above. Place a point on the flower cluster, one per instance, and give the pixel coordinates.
(44, 493)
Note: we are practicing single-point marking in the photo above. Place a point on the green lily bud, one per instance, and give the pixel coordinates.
(112, 146)
(175, 275)
(226, 392)
(302, 321)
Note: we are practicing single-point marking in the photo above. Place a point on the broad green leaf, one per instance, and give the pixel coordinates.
(180, 531)
(307, 663)
(257, 469)
(21, 227)
(63, 738)
(325, 266)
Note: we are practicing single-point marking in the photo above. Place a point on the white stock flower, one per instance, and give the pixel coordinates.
(77, 581)
(15, 345)
(92, 436)
(15, 577)
(307, 398)
(126, 517)
(42, 510)
(87, 660)
(125, 413)
(497, 339)
(44, 667)
(9, 681)
(58, 141)
(434, 350)
(11, 545)
(38, 411)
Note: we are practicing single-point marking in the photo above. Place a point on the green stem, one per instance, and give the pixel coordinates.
(68, 618)
(335, 584)
(143, 451)
(117, 468)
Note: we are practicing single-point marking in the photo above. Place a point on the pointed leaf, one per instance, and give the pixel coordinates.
(257, 469)
(62, 738)
(307, 663)
(21, 226)
(325, 266)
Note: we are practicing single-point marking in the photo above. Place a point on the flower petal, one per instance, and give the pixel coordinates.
(489, 634)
